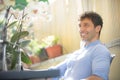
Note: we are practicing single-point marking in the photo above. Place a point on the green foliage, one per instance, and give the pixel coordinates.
(19, 35)
(44, 0)
(34, 46)
(12, 24)
(25, 58)
(12, 49)
(48, 41)
(16, 43)
(1, 26)
(20, 4)
(14, 58)
(24, 43)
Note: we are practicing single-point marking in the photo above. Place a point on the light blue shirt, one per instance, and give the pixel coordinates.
(93, 59)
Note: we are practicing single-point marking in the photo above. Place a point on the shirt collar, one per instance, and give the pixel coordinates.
(92, 44)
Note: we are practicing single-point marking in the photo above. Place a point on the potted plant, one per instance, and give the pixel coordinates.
(46, 49)
(34, 48)
(52, 47)
(38, 52)
(12, 46)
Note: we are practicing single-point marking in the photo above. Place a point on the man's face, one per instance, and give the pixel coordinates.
(88, 32)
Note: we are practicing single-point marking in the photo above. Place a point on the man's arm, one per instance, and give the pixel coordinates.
(100, 64)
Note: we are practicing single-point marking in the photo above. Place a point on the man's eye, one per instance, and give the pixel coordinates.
(86, 25)
(79, 25)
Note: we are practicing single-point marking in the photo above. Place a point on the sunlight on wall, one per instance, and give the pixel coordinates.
(64, 24)
(64, 21)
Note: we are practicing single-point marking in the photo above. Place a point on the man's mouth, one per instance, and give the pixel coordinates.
(83, 34)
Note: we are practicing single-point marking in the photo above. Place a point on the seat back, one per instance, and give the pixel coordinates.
(112, 57)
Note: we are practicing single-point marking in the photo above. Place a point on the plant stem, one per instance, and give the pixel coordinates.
(4, 37)
(18, 48)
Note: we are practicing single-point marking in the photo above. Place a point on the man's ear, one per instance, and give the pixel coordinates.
(98, 28)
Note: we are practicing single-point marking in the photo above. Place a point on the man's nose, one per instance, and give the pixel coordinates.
(81, 29)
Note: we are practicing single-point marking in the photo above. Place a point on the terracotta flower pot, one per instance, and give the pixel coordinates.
(35, 59)
(54, 51)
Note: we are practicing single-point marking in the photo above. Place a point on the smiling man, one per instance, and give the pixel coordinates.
(92, 60)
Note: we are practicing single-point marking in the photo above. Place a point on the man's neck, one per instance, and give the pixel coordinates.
(88, 42)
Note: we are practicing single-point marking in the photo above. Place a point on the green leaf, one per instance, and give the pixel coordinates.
(1, 24)
(44, 0)
(9, 48)
(14, 59)
(25, 58)
(24, 43)
(20, 4)
(25, 15)
(19, 35)
(12, 24)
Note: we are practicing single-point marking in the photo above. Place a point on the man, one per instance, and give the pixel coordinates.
(92, 60)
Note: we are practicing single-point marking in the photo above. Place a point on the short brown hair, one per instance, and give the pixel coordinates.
(96, 18)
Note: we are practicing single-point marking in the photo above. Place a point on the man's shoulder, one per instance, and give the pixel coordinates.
(102, 49)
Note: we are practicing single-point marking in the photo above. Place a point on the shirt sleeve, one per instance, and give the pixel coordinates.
(101, 62)
(61, 67)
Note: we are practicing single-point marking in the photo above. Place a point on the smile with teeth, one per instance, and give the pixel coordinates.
(83, 34)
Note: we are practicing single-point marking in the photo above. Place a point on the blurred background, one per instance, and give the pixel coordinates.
(58, 20)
